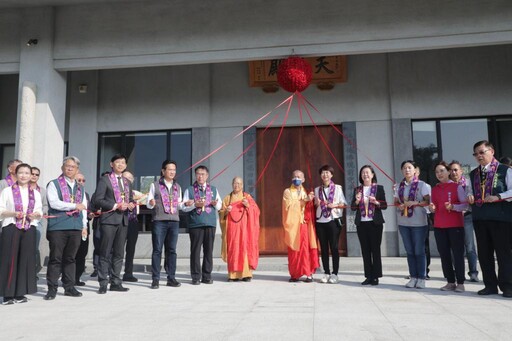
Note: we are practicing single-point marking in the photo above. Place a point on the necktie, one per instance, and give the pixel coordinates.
(120, 183)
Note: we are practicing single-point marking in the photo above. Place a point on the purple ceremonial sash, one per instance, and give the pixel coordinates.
(463, 182)
(166, 200)
(66, 195)
(208, 198)
(371, 206)
(115, 187)
(23, 223)
(326, 211)
(412, 195)
(9, 179)
(490, 179)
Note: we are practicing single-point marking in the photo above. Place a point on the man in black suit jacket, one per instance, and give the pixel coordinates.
(114, 197)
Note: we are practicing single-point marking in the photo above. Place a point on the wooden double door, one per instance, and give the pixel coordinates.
(298, 148)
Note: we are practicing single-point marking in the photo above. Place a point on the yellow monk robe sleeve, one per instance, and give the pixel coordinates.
(292, 218)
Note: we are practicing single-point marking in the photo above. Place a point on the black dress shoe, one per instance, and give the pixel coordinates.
(233, 279)
(130, 279)
(118, 287)
(366, 282)
(247, 279)
(154, 284)
(195, 282)
(94, 273)
(72, 292)
(79, 283)
(375, 281)
(50, 295)
(102, 290)
(293, 280)
(173, 283)
(207, 281)
(487, 291)
(507, 294)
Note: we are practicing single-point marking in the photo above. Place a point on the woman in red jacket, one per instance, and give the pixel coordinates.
(448, 201)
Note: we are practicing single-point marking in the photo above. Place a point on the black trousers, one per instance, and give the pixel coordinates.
(96, 241)
(370, 238)
(201, 237)
(81, 254)
(494, 237)
(113, 239)
(63, 248)
(17, 261)
(329, 234)
(450, 244)
(131, 241)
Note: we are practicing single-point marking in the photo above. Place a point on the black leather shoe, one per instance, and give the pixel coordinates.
(118, 287)
(154, 285)
(130, 279)
(50, 295)
(79, 283)
(173, 283)
(487, 291)
(293, 280)
(102, 290)
(375, 281)
(72, 292)
(94, 273)
(366, 282)
(233, 279)
(247, 279)
(195, 282)
(507, 294)
(207, 281)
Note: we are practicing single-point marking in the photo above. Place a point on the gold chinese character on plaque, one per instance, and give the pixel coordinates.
(326, 72)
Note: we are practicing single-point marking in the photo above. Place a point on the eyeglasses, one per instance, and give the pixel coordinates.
(482, 152)
(35, 174)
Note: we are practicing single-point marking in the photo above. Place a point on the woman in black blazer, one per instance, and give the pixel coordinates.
(368, 201)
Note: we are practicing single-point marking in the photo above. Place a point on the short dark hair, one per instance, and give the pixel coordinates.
(11, 162)
(374, 180)
(168, 162)
(35, 168)
(442, 163)
(118, 157)
(201, 167)
(408, 161)
(326, 168)
(506, 160)
(23, 165)
(455, 162)
(483, 142)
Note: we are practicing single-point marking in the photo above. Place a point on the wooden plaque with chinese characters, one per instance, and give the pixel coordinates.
(326, 70)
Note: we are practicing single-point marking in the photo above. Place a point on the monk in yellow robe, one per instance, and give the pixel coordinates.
(240, 223)
(299, 231)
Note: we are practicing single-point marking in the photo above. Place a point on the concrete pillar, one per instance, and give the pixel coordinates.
(27, 120)
(46, 148)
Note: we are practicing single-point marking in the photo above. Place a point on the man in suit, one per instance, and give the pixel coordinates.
(114, 197)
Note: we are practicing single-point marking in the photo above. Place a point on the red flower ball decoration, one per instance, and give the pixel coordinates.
(294, 74)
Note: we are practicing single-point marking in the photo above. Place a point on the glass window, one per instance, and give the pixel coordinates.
(145, 152)
(425, 148)
(7, 151)
(504, 137)
(458, 138)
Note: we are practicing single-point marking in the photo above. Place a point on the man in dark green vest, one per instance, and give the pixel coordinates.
(202, 202)
(492, 217)
(67, 226)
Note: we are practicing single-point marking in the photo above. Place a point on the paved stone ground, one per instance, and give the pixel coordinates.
(267, 308)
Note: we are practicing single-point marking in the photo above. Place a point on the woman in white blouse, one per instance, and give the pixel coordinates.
(330, 202)
(20, 209)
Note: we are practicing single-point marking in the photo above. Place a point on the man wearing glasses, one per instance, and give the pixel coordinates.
(492, 217)
(34, 178)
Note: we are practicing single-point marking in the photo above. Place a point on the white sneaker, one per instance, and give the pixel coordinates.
(420, 284)
(324, 279)
(411, 283)
(333, 279)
